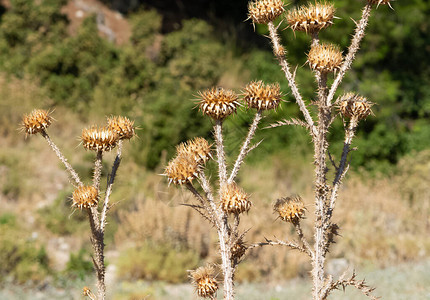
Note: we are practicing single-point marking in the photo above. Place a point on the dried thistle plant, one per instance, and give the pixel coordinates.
(323, 59)
(222, 205)
(87, 197)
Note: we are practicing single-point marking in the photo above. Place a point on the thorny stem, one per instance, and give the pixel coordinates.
(245, 147)
(352, 50)
(98, 170)
(277, 50)
(97, 241)
(227, 264)
(321, 188)
(111, 180)
(213, 216)
(60, 155)
(220, 153)
(303, 239)
(292, 245)
(342, 169)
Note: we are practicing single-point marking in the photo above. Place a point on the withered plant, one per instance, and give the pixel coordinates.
(87, 197)
(324, 59)
(223, 204)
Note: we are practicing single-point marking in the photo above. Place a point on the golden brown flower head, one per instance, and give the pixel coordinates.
(182, 169)
(290, 209)
(36, 121)
(218, 103)
(234, 200)
(238, 250)
(204, 281)
(262, 97)
(352, 105)
(99, 138)
(325, 58)
(121, 126)
(265, 11)
(198, 148)
(85, 197)
(311, 18)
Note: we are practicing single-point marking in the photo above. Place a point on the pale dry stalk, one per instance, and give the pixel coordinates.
(245, 147)
(222, 166)
(277, 50)
(352, 50)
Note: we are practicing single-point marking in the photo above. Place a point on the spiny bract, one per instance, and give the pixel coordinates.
(262, 97)
(36, 121)
(121, 126)
(353, 105)
(85, 197)
(311, 18)
(325, 58)
(265, 11)
(218, 103)
(234, 200)
(290, 209)
(204, 281)
(99, 138)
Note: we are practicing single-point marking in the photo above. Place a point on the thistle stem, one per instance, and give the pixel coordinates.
(290, 78)
(244, 150)
(352, 50)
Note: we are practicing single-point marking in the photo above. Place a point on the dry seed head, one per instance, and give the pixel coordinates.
(290, 209)
(262, 97)
(99, 138)
(234, 200)
(85, 197)
(36, 121)
(325, 58)
(265, 11)
(352, 105)
(238, 250)
(121, 126)
(218, 103)
(198, 148)
(182, 169)
(311, 18)
(204, 281)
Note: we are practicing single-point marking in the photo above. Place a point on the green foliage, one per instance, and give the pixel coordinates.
(154, 78)
(21, 258)
(157, 262)
(79, 265)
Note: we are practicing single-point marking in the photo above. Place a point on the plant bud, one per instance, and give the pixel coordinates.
(325, 58)
(262, 97)
(311, 18)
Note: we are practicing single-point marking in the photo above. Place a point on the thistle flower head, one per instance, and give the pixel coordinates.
(85, 197)
(198, 148)
(325, 58)
(234, 200)
(262, 97)
(218, 103)
(352, 105)
(265, 11)
(36, 121)
(290, 209)
(238, 249)
(204, 281)
(182, 169)
(121, 126)
(311, 18)
(99, 138)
